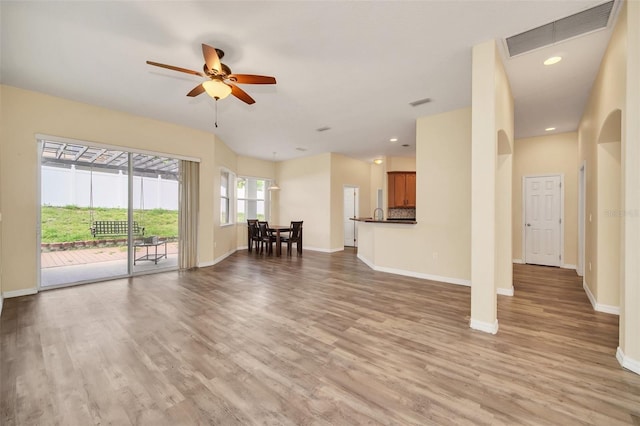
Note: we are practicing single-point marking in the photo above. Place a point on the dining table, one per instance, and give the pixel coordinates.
(277, 229)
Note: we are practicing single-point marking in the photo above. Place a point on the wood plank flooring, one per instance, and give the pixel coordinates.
(320, 339)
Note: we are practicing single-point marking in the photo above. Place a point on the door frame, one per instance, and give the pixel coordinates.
(39, 138)
(524, 215)
(582, 214)
(356, 208)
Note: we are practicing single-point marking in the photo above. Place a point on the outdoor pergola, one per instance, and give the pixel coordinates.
(58, 153)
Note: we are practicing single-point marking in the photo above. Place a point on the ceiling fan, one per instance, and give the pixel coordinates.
(221, 80)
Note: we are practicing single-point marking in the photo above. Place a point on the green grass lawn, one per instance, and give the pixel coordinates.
(70, 223)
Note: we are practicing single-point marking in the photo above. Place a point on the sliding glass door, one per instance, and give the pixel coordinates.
(105, 213)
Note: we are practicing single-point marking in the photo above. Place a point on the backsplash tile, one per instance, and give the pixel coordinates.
(401, 213)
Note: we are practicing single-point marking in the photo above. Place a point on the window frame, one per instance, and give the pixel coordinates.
(266, 199)
(229, 199)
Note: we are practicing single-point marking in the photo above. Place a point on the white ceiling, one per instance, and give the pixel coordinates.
(352, 66)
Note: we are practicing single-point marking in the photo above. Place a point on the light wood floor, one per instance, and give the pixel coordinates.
(315, 340)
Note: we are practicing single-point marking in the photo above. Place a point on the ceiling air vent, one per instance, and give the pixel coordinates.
(581, 23)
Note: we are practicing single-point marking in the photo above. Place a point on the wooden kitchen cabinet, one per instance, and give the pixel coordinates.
(401, 187)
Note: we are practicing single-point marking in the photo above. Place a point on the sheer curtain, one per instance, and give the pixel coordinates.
(189, 190)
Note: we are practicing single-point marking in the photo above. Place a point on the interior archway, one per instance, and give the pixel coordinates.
(504, 166)
(609, 212)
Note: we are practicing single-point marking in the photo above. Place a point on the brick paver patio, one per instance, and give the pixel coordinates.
(55, 259)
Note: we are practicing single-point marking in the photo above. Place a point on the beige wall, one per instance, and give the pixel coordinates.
(613, 108)
(438, 246)
(607, 96)
(401, 164)
(630, 199)
(552, 154)
(225, 236)
(305, 195)
(24, 113)
(346, 171)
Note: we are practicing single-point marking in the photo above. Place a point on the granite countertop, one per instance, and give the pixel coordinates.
(372, 220)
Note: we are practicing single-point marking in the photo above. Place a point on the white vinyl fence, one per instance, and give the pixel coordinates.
(71, 187)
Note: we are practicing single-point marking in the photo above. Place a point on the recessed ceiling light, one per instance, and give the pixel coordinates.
(549, 129)
(393, 140)
(378, 161)
(552, 60)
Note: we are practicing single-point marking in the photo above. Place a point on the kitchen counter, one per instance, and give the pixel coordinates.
(372, 220)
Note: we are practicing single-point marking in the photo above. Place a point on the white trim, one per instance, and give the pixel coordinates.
(582, 216)
(324, 250)
(599, 307)
(38, 224)
(366, 261)
(505, 291)
(61, 139)
(19, 293)
(487, 327)
(206, 264)
(524, 212)
(1, 303)
(224, 256)
(518, 261)
(448, 280)
(568, 266)
(626, 362)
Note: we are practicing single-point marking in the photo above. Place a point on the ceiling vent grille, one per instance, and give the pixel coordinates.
(581, 23)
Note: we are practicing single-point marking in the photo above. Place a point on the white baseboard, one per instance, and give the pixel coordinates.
(223, 257)
(413, 274)
(324, 250)
(206, 264)
(607, 309)
(518, 261)
(626, 362)
(1, 303)
(568, 266)
(487, 327)
(366, 261)
(18, 293)
(505, 291)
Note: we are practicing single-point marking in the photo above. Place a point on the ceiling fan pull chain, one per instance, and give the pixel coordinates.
(216, 122)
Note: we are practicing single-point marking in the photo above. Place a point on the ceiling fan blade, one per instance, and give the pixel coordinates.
(211, 58)
(196, 91)
(241, 94)
(171, 67)
(252, 79)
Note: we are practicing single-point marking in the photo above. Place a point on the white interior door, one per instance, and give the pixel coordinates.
(351, 195)
(542, 226)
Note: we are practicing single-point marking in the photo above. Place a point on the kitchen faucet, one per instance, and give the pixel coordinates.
(381, 214)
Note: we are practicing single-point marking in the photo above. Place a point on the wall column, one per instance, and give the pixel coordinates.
(628, 353)
(483, 189)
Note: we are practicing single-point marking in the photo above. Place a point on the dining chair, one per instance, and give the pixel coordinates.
(266, 237)
(253, 234)
(295, 236)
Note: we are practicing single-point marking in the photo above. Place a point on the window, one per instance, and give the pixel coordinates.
(226, 183)
(253, 202)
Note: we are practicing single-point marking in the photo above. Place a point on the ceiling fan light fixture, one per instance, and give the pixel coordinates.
(217, 89)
